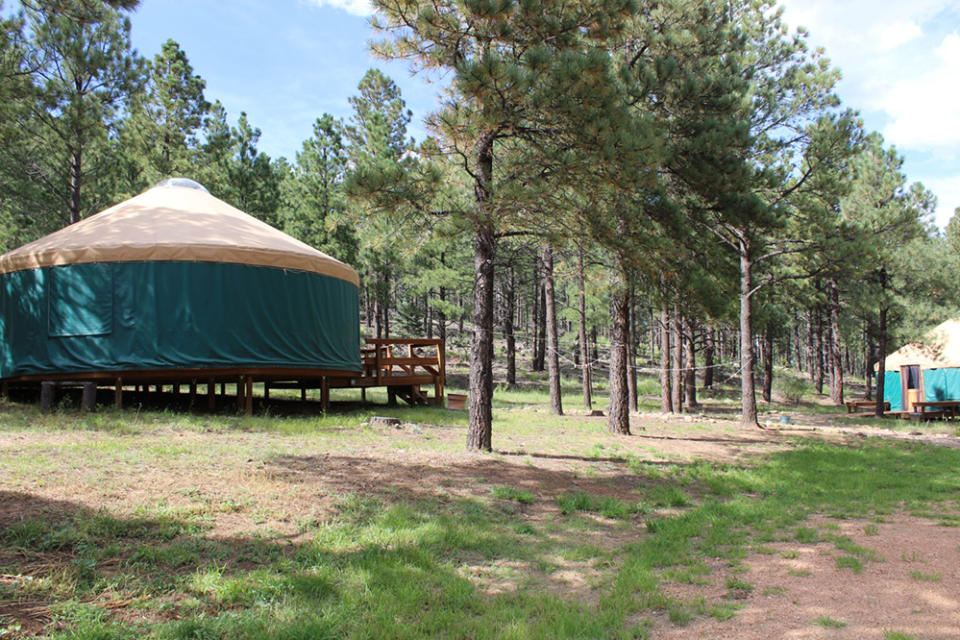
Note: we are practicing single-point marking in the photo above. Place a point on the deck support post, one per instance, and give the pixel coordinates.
(47, 393)
(4, 391)
(248, 400)
(324, 394)
(240, 389)
(88, 399)
(118, 393)
(211, 394)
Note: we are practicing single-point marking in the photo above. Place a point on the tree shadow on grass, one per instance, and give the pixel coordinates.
(377, 570)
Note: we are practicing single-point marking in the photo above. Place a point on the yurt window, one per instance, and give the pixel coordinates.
(80, 300)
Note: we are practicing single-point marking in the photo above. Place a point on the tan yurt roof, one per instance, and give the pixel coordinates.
(938, 349)
(177, 220)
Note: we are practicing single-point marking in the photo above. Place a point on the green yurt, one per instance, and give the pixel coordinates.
(927, 369)
(174, 280)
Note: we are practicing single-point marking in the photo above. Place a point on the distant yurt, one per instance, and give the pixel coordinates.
(174, 281)
(925, 370)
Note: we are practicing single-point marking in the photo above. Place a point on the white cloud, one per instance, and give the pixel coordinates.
(892, 36)
(361, 8)
(901, 68)
(948, 197)
(924, 110)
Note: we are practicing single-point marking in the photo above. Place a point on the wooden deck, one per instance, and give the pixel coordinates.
(403, 365)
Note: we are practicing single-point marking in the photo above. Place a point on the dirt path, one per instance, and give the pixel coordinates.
(913, 587)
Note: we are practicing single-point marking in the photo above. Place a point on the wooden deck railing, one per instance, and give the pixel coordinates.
(383, 357)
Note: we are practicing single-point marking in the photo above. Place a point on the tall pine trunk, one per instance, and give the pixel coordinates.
(552, 346)
(676, 368)
(690, 367)
(881, 361)
(479, 431)
(666, 392)
(541, 363)
(818, 351)
(619, 419)
(708, 359)
(836, 350)
(508, 328)
(632, 354)
(748, 398)
(76, 183)
(585, 368)
(767, 392)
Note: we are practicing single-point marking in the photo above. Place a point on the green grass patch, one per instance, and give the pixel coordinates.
(897, 635)
(606, 506)
(829, 623)
(850, 562)
(382, 561)
(511, 493)
(925, 577)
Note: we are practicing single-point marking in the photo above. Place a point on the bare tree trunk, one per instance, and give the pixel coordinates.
(870, 357)
(386, 303)
(767, 356)
(632, 354)
(619, 419)
(818, 352)
(748, 398)
(535, 318)
(811, 346)
(666, 392)
(676, 370)
(508, 328)
(76, 172)
(552, 346)
(378, 304)
(479, 431)
(441, 313)
(594, 350)
(797, 344)
(690, 367)
(541, 363)
(881, 357)
(708, 359)
(585, 368)
(428, 314)
(836, 350)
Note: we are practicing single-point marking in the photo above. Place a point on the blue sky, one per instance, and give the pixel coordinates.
(286, 62)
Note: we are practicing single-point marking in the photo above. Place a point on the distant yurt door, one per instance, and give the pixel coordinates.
(911, 383)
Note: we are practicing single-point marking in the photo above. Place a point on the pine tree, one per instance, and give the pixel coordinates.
(87, 76)
(314, 197)
(252, 182)
(162, 132)
(517, 70)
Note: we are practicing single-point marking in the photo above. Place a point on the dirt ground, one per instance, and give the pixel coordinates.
(913, 587)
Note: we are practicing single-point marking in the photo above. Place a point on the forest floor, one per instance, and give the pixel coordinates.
(176, 525)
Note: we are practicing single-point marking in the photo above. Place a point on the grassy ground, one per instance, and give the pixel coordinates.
(141, 524)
